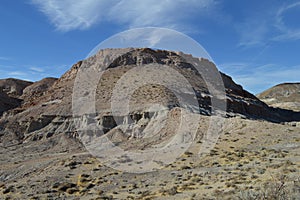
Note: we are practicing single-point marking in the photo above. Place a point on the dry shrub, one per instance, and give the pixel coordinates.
(277, 189)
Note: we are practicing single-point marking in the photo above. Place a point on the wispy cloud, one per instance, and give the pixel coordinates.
(270, 26)
(67, 15)
(287, 32)
(37, 69)
(32, 73)
(252, 32)
(158, 12)
(256, 78)
(17, 73)
(14, 72)
(4, 58)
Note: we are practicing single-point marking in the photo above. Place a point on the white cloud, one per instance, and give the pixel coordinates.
(67, 15)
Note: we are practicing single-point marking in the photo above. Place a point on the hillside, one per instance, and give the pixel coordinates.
(54, 102)
(63, 139)
(13, 87)
(10, 93)
(285, 95)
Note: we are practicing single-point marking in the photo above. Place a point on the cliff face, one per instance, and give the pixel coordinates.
(47, 105)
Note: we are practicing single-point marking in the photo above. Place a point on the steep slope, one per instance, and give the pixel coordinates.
(285, 95)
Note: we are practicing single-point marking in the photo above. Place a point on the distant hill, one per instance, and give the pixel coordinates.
(37, 89)
(15, 92)
(285, 95)
(13, 87)
(10, 91)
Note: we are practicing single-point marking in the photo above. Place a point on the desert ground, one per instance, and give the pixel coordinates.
(251, 160)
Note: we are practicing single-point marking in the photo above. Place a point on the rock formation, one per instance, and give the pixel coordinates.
(41, 157)
(47, 105)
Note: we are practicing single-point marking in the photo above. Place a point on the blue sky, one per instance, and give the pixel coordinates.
(255, 42)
